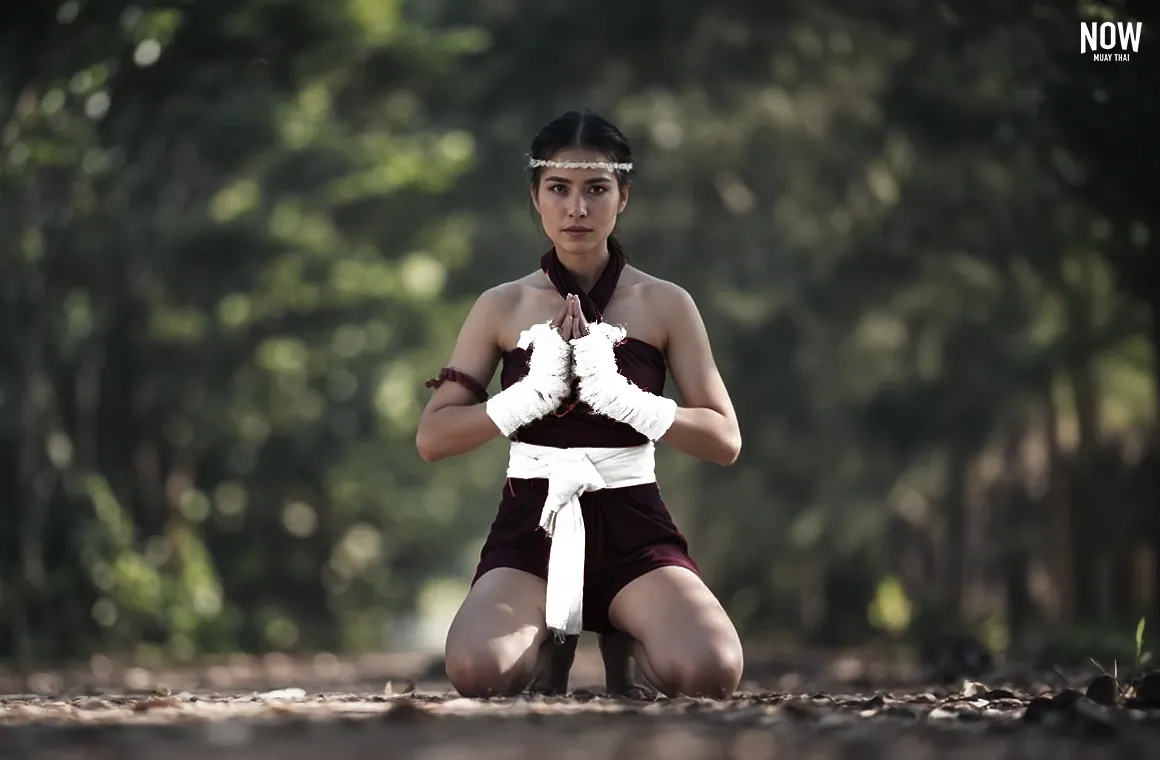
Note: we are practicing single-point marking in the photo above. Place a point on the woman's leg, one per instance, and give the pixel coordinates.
(495, 641)
(623, 677)
(554, 666)
(686, 643)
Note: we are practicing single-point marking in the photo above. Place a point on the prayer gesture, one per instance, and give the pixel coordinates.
(588, 355)
(570, 322)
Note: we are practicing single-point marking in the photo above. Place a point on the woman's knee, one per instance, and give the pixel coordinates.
(476, 671)
(488, 666)
(710, 669)
(493, 641)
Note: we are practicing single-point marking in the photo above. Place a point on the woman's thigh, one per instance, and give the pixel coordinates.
(686, 642)
(495, 637)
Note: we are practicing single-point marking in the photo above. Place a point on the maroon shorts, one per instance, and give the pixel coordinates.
(628, 532)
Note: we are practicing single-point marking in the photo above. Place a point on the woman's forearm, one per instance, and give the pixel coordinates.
(454, 430)
(704, 434)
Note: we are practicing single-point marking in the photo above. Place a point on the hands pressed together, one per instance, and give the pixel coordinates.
(570, 322)
(569, 347)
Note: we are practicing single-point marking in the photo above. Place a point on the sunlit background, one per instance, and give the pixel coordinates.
(237, 237)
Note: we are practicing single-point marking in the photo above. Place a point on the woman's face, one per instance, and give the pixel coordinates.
(578, 207)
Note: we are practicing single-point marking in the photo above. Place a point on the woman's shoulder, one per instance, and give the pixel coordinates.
(509, 294)
(656, 291)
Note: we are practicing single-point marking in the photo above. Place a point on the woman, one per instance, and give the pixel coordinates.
(582, 406)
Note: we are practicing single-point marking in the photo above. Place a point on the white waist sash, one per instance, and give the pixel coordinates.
(570, 473)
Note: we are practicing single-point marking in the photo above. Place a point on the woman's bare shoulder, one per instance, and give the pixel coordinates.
(507, 295)
(656, 291)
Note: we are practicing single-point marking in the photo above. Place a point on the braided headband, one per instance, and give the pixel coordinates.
(536, 163)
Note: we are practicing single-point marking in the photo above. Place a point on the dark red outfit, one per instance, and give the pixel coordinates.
(629, 531)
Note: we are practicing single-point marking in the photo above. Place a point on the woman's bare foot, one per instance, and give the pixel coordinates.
(622, 677)
(553, 667)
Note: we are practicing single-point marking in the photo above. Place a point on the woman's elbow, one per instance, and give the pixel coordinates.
(428, 445)
(730, 450)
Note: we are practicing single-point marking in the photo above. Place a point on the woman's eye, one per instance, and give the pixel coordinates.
(598, 190)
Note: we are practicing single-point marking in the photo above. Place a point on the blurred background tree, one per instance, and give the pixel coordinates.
(237, 237)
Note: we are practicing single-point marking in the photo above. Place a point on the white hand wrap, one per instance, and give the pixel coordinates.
(548, 382)
(610, 393)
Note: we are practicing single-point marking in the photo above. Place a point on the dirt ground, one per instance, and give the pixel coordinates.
(812, 707)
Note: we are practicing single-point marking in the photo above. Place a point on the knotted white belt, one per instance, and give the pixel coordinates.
(570, 473)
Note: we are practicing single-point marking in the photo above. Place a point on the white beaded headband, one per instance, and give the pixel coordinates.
(536, 163)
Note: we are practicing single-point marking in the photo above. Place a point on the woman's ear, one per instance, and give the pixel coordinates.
(624, 193)
(534, 191)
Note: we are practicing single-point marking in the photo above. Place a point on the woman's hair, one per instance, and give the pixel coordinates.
(582, 129)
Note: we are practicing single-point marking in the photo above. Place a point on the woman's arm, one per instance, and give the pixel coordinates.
(454, 422)
(706, 425)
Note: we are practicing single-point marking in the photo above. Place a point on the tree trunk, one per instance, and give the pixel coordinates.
(1152, 488)
(1086, 537)
(1057, 512)
(955, 540)
(1014, 507)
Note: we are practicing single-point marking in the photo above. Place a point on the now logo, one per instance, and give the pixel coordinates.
(1100, 38)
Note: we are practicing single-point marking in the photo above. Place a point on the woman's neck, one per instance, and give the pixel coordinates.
(586, 267)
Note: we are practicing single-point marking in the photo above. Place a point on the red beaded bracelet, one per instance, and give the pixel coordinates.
(464, 379)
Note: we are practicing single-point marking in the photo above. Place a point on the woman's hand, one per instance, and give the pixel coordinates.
(570, 321)
(579, 323)
(549, 379)
(562, 322)
(610, 393)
